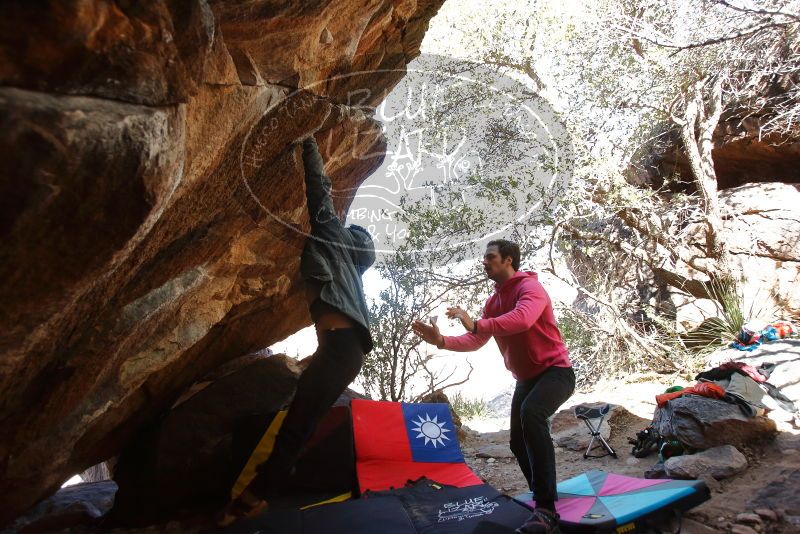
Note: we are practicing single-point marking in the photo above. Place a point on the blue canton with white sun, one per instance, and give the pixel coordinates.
(431, 434)
(431, 430)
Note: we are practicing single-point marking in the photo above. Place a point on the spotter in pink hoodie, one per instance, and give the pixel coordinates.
(520, 317)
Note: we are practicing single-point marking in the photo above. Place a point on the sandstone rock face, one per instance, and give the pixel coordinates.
(152, 201)
(764, 225)
(741, 156)
(762, 228)
(739, 160)
(758, 180)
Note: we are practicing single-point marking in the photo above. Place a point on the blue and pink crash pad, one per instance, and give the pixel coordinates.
(600, 502)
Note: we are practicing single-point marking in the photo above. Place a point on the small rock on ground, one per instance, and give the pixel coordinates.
(767, 514)
(718, 462)
(749, 519)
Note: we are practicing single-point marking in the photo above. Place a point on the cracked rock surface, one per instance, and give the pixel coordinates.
(153, 203)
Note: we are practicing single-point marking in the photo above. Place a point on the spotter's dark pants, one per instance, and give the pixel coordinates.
(534, 402)
(333, 367)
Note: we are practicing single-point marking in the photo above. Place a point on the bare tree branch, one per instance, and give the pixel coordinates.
(749, 10)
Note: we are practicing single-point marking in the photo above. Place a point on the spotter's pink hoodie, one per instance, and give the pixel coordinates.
(520, 317)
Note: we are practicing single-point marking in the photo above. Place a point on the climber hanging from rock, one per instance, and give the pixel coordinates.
(333, 261)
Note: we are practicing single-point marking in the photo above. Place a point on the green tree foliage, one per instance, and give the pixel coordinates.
(493, 178)
(627, 78)
(632, 78)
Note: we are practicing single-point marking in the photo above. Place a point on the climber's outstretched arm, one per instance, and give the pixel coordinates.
(324, 220)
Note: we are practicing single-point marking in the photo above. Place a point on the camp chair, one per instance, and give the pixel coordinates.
(593, 416)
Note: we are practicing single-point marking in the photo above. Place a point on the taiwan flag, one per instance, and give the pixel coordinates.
(397, 442)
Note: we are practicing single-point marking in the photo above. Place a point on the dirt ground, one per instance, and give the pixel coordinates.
(771, 481)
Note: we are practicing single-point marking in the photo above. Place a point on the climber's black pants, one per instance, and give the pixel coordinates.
(333, 367)
(534, 402)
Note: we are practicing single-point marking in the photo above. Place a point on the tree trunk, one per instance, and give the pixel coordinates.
(700, 119)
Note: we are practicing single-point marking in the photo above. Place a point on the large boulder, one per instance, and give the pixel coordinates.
(153, 205)
(78, 505)
(185, 460)
(703, 423)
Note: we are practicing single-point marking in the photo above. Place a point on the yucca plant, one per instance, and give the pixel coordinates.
(733, 314)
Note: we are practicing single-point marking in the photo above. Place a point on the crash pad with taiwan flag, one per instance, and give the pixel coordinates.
(397, 442)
